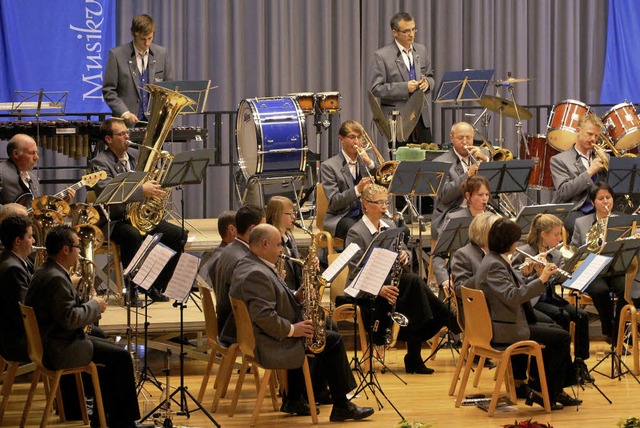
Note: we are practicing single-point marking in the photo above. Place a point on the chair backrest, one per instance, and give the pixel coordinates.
(210, 316)
(339, 282)
(629, 279)
(322, 204)
(478, 328)
(32, 330)
(244, 327)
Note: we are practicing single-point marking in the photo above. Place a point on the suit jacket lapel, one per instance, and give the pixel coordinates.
(347, 174)
(402, 67)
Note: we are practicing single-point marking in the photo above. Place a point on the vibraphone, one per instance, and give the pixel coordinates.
(78, 138)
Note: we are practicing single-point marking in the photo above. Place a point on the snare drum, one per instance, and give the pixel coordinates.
(541, 153)
(306, 101)
(621, 122)
(271, 137)
(328, 102)
(562, 129)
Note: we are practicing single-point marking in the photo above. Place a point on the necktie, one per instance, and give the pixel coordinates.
(143, 66)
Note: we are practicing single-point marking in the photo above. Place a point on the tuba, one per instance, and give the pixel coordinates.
(313, 287)
(42, 223)
(91, 237)
(165, 107)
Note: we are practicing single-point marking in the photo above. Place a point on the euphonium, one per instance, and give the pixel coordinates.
(313, 287)
(91, 237)
(396, 317)
(165, 107)
(385, 171)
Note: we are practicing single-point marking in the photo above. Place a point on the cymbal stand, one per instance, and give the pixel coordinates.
(519, 135)
(319, 125)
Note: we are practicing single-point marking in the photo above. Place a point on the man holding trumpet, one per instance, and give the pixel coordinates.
(344, 177)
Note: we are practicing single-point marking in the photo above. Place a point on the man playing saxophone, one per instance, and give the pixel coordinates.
(116, 159)
(413, 298)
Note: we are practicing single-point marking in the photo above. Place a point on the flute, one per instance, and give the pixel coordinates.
(539, 262)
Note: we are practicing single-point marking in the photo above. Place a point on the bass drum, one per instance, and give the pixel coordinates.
(271, 137)
(562, 129)
(622, 124)
(541, 153)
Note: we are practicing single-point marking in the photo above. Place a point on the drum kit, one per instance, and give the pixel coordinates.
(271, 133)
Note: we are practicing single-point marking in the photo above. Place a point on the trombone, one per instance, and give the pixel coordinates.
(385, 171)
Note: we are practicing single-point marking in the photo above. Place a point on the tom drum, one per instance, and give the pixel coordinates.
(562, 129)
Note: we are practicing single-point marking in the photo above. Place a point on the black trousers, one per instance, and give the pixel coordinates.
(600, 290)
(129, 239)
(343, 226)
(563, 314)
(332, 365)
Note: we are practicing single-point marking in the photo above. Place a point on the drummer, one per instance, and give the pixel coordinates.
(576, 170)
(343, 178)
(18, 183)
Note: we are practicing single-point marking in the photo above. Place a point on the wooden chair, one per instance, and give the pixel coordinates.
(324, 238)
(34, 344)
(247, 343)
(228, 354)
(479, 332)
(629, 316)
(9, 370)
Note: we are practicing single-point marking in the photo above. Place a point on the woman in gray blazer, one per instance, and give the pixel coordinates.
(512, 317)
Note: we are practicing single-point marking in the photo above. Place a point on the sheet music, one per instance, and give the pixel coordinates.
(153, 265)
(183, 277)
(139, 253)
(371, 277)
(590, 268)
(338, 264)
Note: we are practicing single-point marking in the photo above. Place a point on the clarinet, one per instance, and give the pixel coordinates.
(396, 317)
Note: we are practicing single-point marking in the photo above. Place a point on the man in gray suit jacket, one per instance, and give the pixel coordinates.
(62, 315)
(279, 328)
(344, 177)
(576, 170)
(16, 176)
(130, 67)
(401, 68)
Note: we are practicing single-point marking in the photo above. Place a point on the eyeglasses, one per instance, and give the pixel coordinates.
(353, 137)
(290, 213)
(408, 31)
(379, 203)
(121, 134)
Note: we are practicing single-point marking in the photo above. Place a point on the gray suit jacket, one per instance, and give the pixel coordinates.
(273, 309)
(361, 235)
(439, 264)
(581, 228)
(225, 265)
(121, 85)
(506, 293)
(450, 194)
(11, 186)
(570, 178)
(389, 77)
(339, 188)
(61, 316)
(464, 266)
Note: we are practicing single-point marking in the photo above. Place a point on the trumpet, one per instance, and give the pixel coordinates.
(541, 263)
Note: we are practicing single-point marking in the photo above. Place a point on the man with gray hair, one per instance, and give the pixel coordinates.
(16, 177)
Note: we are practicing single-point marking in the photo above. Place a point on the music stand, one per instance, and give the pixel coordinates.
(621, 252)
(624, 175)
(508, 176)
(465, 85)
(620, 227)
(197, 90)
(187, 168)
(527, 214)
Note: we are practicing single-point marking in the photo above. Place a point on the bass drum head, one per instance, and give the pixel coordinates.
(247, 136)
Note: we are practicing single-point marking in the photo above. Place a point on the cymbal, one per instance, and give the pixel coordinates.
(508, 108)
(378, 117)
(510, 80)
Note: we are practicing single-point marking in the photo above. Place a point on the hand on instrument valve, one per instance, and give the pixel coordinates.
(303, 329)
(152, 189)
(362, 184)
(545, 273)
(101, 303)
(364, 156)
(130, 118)
(390, 293)
(596, 165)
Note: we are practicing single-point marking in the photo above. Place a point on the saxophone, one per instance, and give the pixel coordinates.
(396, 317)
(312, 289)
(165, 107)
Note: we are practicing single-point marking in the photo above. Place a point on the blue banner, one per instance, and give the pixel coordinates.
(622, 68)
(56, 46)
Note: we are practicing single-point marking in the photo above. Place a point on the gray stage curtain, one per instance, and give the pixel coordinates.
(259, 48)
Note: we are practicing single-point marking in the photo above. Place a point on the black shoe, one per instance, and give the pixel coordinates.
(156, 296)
(487, 363)
(567, 400)
(339, 414)
(523, 391)
(323, 397)
(534, 397)
(296, 407)
(413, 365)
(583, 371)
